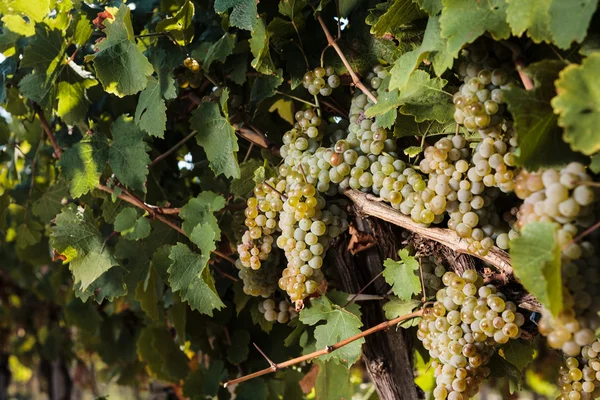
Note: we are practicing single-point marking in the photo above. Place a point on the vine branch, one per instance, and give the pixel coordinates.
(333, 43)
(47, 130)
(173, 149)
(327, 350)
(370, 205)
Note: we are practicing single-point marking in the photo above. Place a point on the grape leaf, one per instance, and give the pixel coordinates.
(540, 142)
(120, 65)
(83, 30)
(259, 45)
(187, 276)
(242, 16)
(431, 7)
(146, 294)
(178, 317)
(238, 351)
(50, 202)
(128, 155)
(501, 368)
(35, 11)
(433, 48)
(200, 210)
(218, 51)
(595, 163)
(333, 381)
(130, 226)
(339, 324)
(29, 234)
(463, 21)
(265, 86)
(83, 315)
(291, 8)
(569, 20)
(258, 318)
(397, 307)
(76, 237)
(180, 26)
(108, 286)
(518, 353)
(151, 111)
(193, 386)
(401, 275)
(578, 103)
(73, 103)
(401, 12)
(82, 164)
(245, 183)
(532, 16)
(217, 137)
(536, 261)
(18, 25)
(162, 355)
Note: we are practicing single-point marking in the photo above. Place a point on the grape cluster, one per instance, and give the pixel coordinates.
(191, 75)
(259, 282)
(282, 312)
(479, 103)
(321, 81)
(579, 377)
(462, 330)
(432, 273)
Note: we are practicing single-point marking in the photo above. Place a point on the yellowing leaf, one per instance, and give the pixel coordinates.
(401, 275)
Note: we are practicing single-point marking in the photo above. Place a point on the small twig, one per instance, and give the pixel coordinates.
(327, 350)
(527, 82)
(248, 152)
(337, 49)
(424, 298)
(302, 172)
(173, 149)
(370, 205)
(335, 107)
(47, 129)
(112, 235)
(283, 196)
(363, 289)
(33, 167)
(582, 234)
(151, 34)
(296, 98)
(73, 55)
(273, 365)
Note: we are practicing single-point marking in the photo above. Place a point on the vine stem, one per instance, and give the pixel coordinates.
(527, 82)
(327, 350)
(173, 149)
(47, 130)
(369, 205)
(332, 42)
(296, 98)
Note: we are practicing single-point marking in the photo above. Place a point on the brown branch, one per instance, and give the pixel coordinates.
(370, 205)
(173, 149)
(527, 82)
(335, 107)
(353, 298)
(46, 128)
(332, 42)
(327, 350)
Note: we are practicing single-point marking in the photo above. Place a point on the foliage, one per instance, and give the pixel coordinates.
(133, 133)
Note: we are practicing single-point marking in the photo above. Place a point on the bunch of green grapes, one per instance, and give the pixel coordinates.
(579, 377)
(261, 213)
(432, 273)
(190, 75)
(259, 282)
(282, 312)
(480, 100)
(462, 331)
(321, 81)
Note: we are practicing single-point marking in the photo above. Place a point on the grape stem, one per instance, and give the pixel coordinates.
(333, 43)
(296, 98)
(47, 130)
(173, 149)
(327, 350)
(373, 206)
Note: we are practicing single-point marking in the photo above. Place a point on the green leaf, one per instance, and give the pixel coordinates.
(397, 307)
(146, 294)
(407, 126)
(532, 16)
(162, 356)
(76, 237)
(200, 210)
(108, 286)
(187, 276)
(264, 87)
(238, 351)
(255, 389)
(82, 164)
(29, 234)
(218, 51)
(595, 163)
(130, 226)
(400, 13)
(217, 137)
(431, 7)
(501, 368)
(536, 261)
(178, 317)
(50, 202)
(82, 315)
(242, 16)
(35, 11)
(463, 21)
(540, 142)
(569, 20)
(578, 104)
(193, 386)
(151, 111)
(433, 48)
(339, 324)
(245, 183)
(259, 45)
(128, 155)
(401, 275)
(333, 381)
(73, 103)
(83, 30)
(180, 26)
(120, 65)
(518, 353)
(291, 8)
(18, 25)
